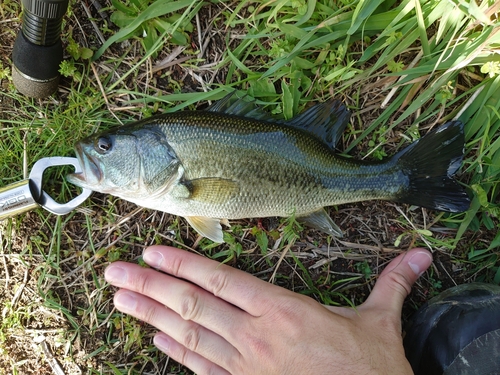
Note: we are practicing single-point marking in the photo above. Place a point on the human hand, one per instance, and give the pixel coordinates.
(216, 319)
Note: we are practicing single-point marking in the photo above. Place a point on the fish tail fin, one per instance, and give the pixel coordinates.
(430, 164)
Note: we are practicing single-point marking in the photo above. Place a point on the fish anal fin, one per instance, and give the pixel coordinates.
(212, 189)
(207, 226)
(327, 121)
(320, 220)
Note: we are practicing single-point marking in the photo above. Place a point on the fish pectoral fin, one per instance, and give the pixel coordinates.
(322, 221)
(207, 226)
(212, 189)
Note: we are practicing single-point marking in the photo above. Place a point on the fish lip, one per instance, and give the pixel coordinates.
(86, 160)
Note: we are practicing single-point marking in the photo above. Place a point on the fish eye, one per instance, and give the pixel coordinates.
(102, 145)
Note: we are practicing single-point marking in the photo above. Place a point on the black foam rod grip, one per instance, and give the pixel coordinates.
(36, 68)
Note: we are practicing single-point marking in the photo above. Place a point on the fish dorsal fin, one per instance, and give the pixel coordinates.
(214, 190)
(231, 104)
(207, 226)
(320, 220)
(327, 121)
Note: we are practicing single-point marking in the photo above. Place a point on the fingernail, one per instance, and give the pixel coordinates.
(162, 342)
(153, 258)
(125, 301)
(419, 262)
(115, 275)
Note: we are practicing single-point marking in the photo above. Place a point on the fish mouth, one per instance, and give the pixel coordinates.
(91, 173)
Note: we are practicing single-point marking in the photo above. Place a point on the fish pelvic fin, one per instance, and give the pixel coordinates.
(207, 226)
(430, 164)
(320, 220)
(327, 121)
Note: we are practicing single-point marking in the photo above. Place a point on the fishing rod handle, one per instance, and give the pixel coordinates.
(17, 198)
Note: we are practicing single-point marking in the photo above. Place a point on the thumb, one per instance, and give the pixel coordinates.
(395, 282)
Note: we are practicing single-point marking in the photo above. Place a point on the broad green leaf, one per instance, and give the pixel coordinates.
(302, 63)
(86, 53)
(121, 19)
(287, 100)
(481, 194)
(262, 88)
(262, 240)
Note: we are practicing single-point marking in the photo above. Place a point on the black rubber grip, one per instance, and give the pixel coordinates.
(38, 62)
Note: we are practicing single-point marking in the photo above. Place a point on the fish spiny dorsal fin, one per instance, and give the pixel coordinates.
(327, 121)
(231, 104)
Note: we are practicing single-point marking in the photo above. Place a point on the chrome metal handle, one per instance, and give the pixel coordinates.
(17, 198)
(28, 194)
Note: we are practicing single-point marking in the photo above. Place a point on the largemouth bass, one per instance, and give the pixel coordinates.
(234, 161)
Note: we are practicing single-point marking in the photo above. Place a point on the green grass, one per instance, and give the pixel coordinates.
(401, 67)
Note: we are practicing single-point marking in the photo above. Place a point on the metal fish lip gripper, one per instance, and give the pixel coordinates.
(26, 195)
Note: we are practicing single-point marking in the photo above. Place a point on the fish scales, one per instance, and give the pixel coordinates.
(281, 170)
(233, 161)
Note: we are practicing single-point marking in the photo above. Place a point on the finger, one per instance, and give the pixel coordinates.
(190, 302)
(234, 286)
(395, 282)
(188, 358)
(193, 337)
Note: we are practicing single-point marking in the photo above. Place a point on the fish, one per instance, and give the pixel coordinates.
(234, 161)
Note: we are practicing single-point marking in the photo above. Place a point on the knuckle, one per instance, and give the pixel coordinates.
(290, 311)
(190, 305)
(179, 353)
(400, 283)
(256, 344)
(182, 355)
(262, 347)
(191, 338)
(143, 282)
(173, 265)
(217, 282)
(148, 314)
